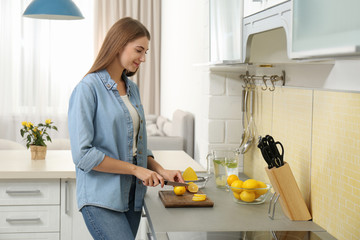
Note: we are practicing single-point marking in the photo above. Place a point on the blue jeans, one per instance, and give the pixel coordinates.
(105, 224)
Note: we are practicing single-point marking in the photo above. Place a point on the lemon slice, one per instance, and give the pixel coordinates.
(192, 187)
(200, 195)
(189, 175)
(198, 199)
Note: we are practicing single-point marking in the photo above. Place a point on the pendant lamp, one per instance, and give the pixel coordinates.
(53, 9)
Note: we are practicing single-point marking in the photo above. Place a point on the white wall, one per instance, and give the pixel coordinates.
(184, 42)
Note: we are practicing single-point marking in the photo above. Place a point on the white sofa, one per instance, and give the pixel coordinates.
(174, 134)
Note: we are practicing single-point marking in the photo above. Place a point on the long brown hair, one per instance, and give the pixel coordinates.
(123, 31)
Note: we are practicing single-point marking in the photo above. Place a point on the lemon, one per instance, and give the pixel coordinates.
(231, 179)
(189, 175)
(179, 190)
(262, 191)
(236, 195)
(247, 196)
(192, 187)
(237, 184)
(249, 184)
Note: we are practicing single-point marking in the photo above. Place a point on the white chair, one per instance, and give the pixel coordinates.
(6, 144)
(59, 144)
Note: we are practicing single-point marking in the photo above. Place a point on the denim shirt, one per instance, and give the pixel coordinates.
(100, 124)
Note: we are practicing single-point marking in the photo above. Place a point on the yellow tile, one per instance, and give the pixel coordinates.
(334, 152)
(292, 117)
(254, 164)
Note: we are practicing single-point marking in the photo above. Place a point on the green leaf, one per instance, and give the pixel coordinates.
(55, 128)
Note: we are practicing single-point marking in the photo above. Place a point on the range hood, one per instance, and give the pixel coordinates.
(267, 35)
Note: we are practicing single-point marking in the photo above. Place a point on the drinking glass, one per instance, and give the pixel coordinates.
(225, 163)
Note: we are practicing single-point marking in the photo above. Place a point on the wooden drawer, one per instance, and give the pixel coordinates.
(29, 192)
(30, 236)
(19, 219)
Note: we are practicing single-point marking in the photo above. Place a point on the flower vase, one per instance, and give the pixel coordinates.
(38, 152)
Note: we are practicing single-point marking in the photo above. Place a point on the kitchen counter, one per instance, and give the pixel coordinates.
(226, 215)
(17, 164)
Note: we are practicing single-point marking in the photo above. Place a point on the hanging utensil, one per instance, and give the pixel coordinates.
(250, 126)
(243, 136)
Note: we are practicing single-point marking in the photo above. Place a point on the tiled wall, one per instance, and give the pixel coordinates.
(223, 118)
(320, 132)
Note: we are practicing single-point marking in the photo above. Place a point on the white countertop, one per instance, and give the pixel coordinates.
(17, 164)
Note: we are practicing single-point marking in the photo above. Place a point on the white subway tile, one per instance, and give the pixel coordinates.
(217, 84)
(216, 131)
(234, 85)
(233, 131)
(225, 107)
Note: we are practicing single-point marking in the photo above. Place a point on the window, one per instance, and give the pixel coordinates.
(40, 62)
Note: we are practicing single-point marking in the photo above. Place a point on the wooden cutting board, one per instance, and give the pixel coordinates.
(170, 200)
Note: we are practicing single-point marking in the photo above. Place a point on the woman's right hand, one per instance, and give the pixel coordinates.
(148, 177)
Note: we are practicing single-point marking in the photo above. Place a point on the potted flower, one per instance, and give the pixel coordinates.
(35, 137)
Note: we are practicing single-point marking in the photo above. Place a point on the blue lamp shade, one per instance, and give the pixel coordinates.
(53, 9)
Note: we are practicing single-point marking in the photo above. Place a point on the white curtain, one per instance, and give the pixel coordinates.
(40, 63)
(148, 12)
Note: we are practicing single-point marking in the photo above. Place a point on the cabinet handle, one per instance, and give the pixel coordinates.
(36, 191)
(66, 197)
(34, 219)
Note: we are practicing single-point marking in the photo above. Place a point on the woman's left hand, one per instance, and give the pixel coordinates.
(172, 175)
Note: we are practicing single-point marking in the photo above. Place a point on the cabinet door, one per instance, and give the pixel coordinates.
(225, 31)
(17, 219)
(325, 28)
(72, 223)
(29, 192)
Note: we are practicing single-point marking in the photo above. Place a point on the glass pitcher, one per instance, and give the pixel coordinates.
(225, 163)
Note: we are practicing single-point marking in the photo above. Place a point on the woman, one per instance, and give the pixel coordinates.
(108, 137)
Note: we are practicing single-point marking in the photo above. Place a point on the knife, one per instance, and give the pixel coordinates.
(175, 183)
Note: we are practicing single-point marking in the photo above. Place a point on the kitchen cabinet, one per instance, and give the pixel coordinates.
(29, 209)
(325, 28)
(225, 31)
(36, 208)
(313, 29)
(278, 16)
(72, 222)
(255, 6)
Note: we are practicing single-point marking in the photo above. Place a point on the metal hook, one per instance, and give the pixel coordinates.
(272, 82)
(245, 81)
(264, 80)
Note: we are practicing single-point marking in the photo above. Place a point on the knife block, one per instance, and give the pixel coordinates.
(291, 200)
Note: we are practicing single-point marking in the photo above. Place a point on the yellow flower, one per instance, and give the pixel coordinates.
(29, 124)
(35, 129)
(24, 123)
(48, 121)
